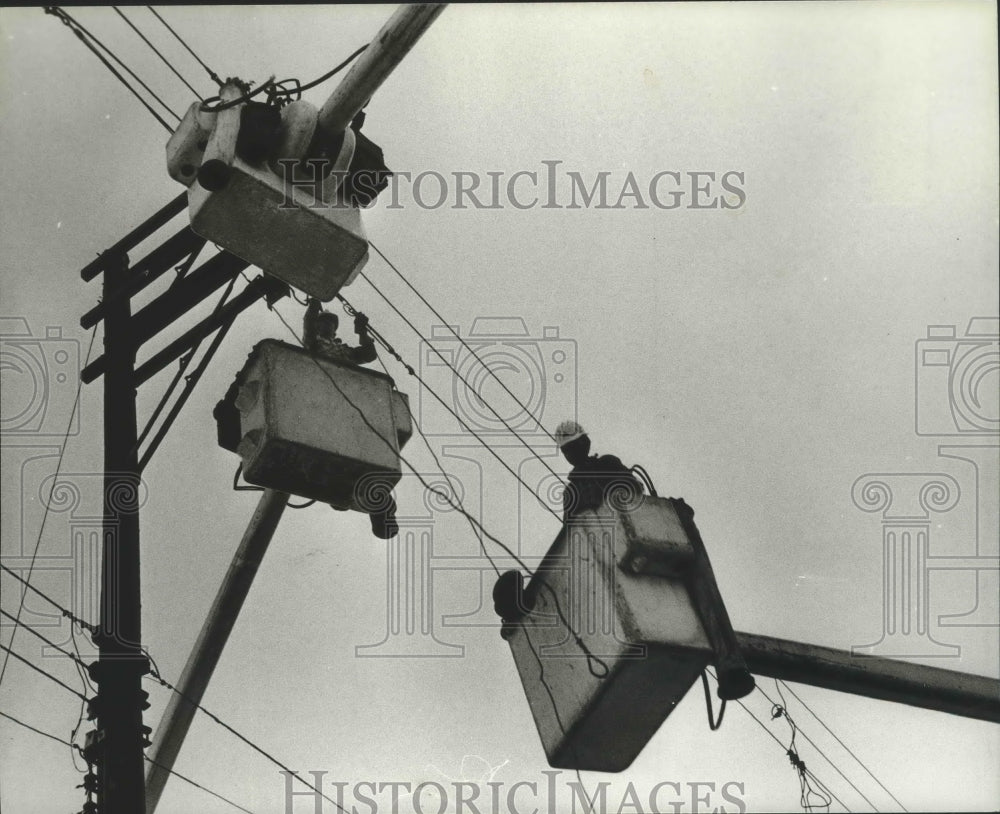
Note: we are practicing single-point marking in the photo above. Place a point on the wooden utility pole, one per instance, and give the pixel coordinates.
(121, 663)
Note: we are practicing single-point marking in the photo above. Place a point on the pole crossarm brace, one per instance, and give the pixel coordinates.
(183, 244)
(133, 238)
(965, 694)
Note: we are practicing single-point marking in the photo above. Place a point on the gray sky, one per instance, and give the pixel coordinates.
(757, 361)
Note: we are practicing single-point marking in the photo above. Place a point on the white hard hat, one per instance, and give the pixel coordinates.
(568, 431)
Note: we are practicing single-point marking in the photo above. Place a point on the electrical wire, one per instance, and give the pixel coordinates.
(465, 381)
(73, 746)
(212, 74)
(38, 669)
(155, 675)
(849, 751)
(783, 712)
(778, 741)
(156, 51)
(592, 660)
(68, 614)
(83, 34)
(48, 504)
(460, 339)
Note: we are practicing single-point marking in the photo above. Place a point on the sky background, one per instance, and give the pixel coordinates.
(756, 361)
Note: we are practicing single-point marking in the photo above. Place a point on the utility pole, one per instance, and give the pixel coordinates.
(115, 748)
(121, 664)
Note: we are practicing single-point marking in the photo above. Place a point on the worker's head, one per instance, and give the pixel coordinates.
(326, 325)
(573, 441)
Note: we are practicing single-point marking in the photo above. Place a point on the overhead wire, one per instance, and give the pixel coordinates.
(465, 344)
(75, 747)
(90, 40)
(592, 660)
(48, 675)
(156, 51)
(464, 423)
(778, 741)
(158, 677)
(464, 381)
(846, 747)
(782, 709)
(48, 504)
(212, 74)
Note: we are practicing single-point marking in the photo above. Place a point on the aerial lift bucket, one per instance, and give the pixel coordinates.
(619, 579)
(315, 428)
(243, 199)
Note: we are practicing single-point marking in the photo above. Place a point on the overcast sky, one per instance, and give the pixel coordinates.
(757, 360)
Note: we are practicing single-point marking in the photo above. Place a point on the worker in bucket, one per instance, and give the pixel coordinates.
(319, 336)
(596, 479)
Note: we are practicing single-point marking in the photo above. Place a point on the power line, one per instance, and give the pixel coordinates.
(592, 660)
(43, 672)
(80, 31)
(860, 762)
(460, 339)
(777, 740)
(450, 409)
(451, 367)
(155, 675)
(68, 614)
(212, 74)
(76, 748)
(197, 785)
(166, 61)
(48, 504)
(783, 708)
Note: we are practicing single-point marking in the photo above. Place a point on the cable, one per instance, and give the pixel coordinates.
(56, 738)
(166, 61)
(324, 77)
(40, 670)
(460, 339)
(592, 660)
(76, 748)
(212, 74)
(429, 389)
(198, 785)
(68, 614)
(464, 381)
(48, 503)
(863, 766)
(713, 724)
(777, 740)
(782, 710)
(80, 31)
(155, 675)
